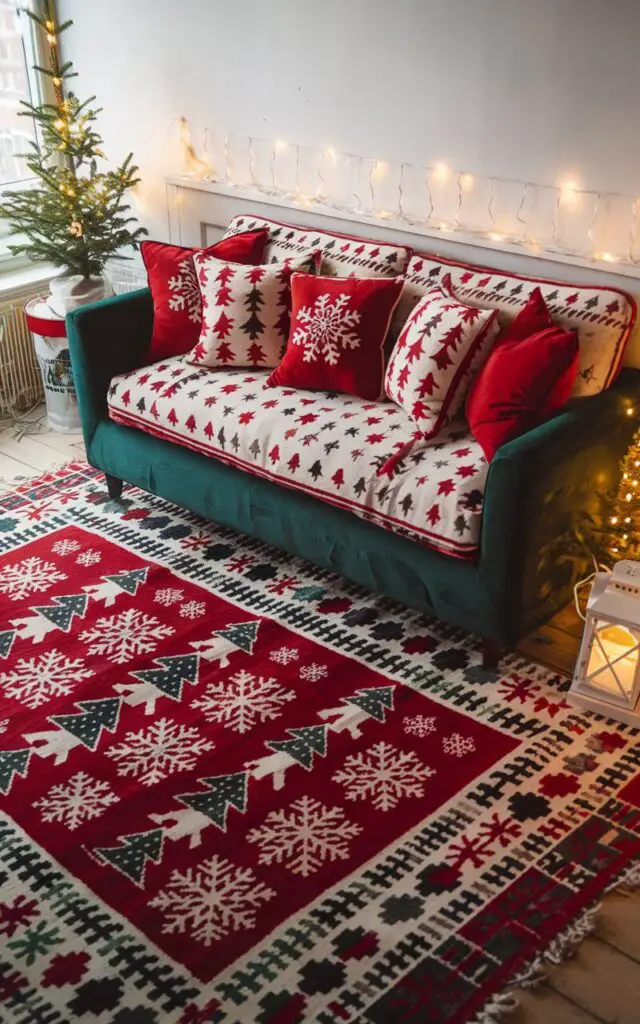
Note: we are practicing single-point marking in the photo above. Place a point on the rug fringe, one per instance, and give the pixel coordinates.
(562, 948)
(38, 479)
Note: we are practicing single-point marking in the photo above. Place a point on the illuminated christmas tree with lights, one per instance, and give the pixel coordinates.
(76, 216)
(624, 521)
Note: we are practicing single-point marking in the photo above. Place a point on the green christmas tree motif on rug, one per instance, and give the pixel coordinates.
(241, 636)
(82, 729)
(205, 808)
(111, 587)
(307, 743)
(167, 681)
(353, 711)
(6, 642)
(12, 763)
(61, 613)
(132, 857)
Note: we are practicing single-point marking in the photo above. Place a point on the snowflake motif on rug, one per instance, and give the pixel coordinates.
(167, 596)
(419, 725)
(192, 609)
(383, 775)
(186, 291)
(314, 672)
(328, 329)
(458, 745)
(163, 749)
(121, 637)
(304, 836)
(34, 681)
(28, 577)
(212, 900)
(285, 655)
(79, 799)
(65, 547)
(89, 557)
(243, 701)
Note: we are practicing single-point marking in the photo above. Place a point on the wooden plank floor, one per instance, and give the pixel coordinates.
(601, 982)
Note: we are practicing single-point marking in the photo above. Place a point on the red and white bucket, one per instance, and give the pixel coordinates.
(52, 352)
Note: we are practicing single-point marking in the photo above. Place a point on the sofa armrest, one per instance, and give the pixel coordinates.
(106, 338)
(539, 488)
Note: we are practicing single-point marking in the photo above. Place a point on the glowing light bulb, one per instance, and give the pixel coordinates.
(607, 257)
(467, 182)
(51, 39)
(628, 497)
(280, 146)
(59, 124)
(569, 193)
(614, 520)
(379, 170)
(441, 173)
(443, 226)
(57, 81)
(628, 519)
(630, 413)
(495, 236)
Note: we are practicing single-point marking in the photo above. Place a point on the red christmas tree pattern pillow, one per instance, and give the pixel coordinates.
(439, 350)
(338, 329)
(177, 304)
(245, 311)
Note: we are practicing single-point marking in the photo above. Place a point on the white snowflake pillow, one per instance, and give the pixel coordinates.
(245, 311)
(440, 349)
(338, 330)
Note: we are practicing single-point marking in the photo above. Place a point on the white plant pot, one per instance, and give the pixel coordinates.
(71, 290)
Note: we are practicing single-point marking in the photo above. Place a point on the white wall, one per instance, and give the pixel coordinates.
(538, 89)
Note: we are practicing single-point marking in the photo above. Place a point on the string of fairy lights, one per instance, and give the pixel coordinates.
(564, 219)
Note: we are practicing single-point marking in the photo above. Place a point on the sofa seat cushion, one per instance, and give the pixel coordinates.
(342, 255)
(329, 446)
(603, 317)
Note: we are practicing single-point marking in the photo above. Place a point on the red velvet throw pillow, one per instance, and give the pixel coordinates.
(338, 329)
(522, 382)
(177, 303)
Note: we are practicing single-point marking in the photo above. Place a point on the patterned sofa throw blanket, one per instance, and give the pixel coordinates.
(602, 317)
(331, 447)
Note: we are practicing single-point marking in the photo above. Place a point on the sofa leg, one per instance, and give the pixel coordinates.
(114, 486)
(491, 653)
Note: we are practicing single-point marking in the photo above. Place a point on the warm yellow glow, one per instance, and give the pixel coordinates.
(443, 226)
(630, 413)
(569, 193)
(618, 645)
(280, 146)
(441, 173)
(49, 26)
(384, 214)
(330, 151)
(379, 170)
(607, 257)
(627, 519)
(614, 520)
(624, 476)
(51, 39)
(495, 236)
(467, 182)
(628, 497)
(57, 81)
(59, 124)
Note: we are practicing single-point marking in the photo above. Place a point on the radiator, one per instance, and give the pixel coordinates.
(20, 380)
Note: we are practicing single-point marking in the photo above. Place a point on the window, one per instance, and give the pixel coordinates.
(17, 82)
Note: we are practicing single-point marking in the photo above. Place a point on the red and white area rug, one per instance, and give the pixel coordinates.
(237, 789)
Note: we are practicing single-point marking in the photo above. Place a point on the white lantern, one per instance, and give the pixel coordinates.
(607, 676)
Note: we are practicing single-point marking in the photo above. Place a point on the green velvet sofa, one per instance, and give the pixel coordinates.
(539, 486)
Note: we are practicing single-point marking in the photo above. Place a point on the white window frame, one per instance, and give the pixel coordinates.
(39, 90)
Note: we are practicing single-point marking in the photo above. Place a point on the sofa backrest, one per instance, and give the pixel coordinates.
(342, 254)
(602, 316)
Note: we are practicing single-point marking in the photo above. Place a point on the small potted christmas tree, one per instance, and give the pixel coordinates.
(76, 216)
